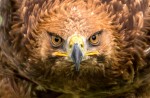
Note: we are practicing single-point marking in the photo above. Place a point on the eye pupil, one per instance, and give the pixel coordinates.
(93, 37)
(57, 39)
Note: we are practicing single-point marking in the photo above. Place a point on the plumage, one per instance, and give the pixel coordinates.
(74, 48)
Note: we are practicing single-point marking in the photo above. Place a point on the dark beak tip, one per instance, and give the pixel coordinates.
(77, 67)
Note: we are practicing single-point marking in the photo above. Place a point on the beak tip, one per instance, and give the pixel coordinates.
(77, 67)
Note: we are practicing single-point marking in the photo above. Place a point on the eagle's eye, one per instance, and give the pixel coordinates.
(56, 41)
(95, 39)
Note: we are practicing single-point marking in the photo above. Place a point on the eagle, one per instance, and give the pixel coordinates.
(74, 48)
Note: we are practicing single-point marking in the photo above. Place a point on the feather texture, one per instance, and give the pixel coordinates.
(29, 70)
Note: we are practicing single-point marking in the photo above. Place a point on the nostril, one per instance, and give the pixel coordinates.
(81, 45)
(70, 46)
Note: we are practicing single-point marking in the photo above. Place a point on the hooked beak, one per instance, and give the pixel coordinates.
(76, 56)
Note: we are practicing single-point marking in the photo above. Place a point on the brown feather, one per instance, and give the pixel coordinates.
(29, 70)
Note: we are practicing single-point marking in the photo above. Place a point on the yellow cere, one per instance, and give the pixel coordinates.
(76, 39)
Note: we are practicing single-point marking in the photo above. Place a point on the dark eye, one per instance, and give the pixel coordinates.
(94, 39)
(56, 40)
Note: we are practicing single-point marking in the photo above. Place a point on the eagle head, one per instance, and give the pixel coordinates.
(78, 46)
